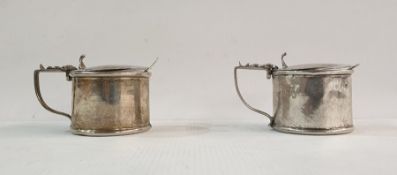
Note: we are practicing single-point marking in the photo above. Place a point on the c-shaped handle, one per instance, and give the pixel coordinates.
(65, 69)
(268, 68)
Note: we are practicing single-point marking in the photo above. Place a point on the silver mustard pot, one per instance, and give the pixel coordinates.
(308, 99)
(107, 100)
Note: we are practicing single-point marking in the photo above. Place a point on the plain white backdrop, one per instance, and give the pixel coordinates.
(198, 43)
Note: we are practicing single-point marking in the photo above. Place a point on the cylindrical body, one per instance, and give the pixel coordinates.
(110, 105)
(317, 103)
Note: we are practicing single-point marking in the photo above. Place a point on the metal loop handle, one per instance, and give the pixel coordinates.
(268, 68)
(67, 69)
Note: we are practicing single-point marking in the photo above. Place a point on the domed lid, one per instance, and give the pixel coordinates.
(110, 70)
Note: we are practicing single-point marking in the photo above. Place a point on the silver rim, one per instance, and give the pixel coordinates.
(100, 133)
(333, 131)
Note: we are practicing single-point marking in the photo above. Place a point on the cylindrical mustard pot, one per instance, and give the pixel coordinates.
(308, 99)
(107, 100)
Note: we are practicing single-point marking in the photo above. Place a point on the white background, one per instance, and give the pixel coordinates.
(199, 124)
(199, 43)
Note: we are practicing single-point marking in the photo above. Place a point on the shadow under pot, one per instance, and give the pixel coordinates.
(313, 99)
(107, 100)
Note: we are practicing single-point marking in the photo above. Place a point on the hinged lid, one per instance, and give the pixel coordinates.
(110, 70)
(314, 68)
(317, 67)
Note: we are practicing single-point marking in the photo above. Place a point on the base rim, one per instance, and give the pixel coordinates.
(314, 131)
(104, 133)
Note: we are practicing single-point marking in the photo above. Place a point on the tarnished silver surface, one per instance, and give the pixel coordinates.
(316, 102)
(107, 101)
(308, 99)
(110, 104)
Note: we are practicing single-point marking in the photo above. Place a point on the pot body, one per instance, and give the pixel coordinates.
(110, 105)
(107, 100)
(312, 104)
(311, 99)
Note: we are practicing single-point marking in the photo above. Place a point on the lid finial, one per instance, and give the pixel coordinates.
(282, 60)
(82, 65)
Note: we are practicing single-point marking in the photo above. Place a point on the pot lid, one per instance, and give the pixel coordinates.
(315, 67)
(110, 70)
(318, 67)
